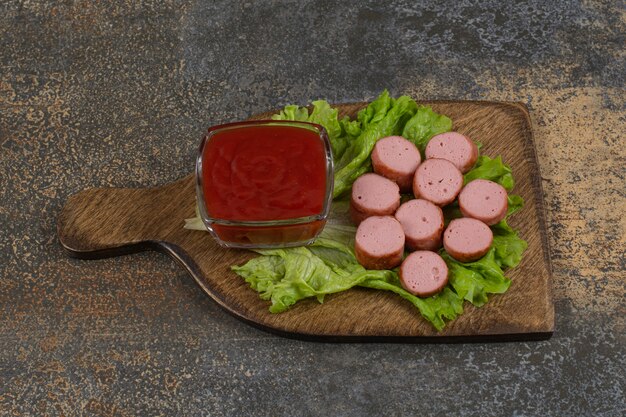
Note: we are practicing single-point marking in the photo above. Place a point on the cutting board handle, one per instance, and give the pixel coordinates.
(103, 222)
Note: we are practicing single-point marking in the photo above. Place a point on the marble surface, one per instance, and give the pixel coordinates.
(118, 94)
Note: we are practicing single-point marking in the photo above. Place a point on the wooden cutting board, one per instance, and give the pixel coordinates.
(100, 223)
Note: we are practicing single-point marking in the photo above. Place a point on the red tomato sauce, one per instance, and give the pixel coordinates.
(264, 173)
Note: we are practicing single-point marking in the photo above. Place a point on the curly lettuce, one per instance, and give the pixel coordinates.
(383, 117)
(352, 141)
(425, 124)
(286, 276)
(491, 169)
(322, 114)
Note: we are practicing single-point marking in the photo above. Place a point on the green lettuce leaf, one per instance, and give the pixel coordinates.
(515, 203)
(376, 110)
(383, 117)
(286, 276)
(445, 305)
(352, 141)
(474, 280)
(424, 125)
(491, 169)
(508, 246)
(326, 116)
(293, 112)
(350, 128)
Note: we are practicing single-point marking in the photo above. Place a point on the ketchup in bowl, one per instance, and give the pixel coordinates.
(264, 183)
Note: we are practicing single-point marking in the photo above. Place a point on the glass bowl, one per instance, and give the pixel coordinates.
(264, 183)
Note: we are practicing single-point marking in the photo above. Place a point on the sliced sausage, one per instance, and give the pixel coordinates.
(454, 147)
(396, 158)
(484, 200)
(423, 273)
(373, 195)
(438, 181)
(467, 239)
(379, 243)
(422, 222)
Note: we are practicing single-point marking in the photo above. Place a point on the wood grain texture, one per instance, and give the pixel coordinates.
(108, 222)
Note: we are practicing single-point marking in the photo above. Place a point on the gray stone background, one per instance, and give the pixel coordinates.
(118, 94)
